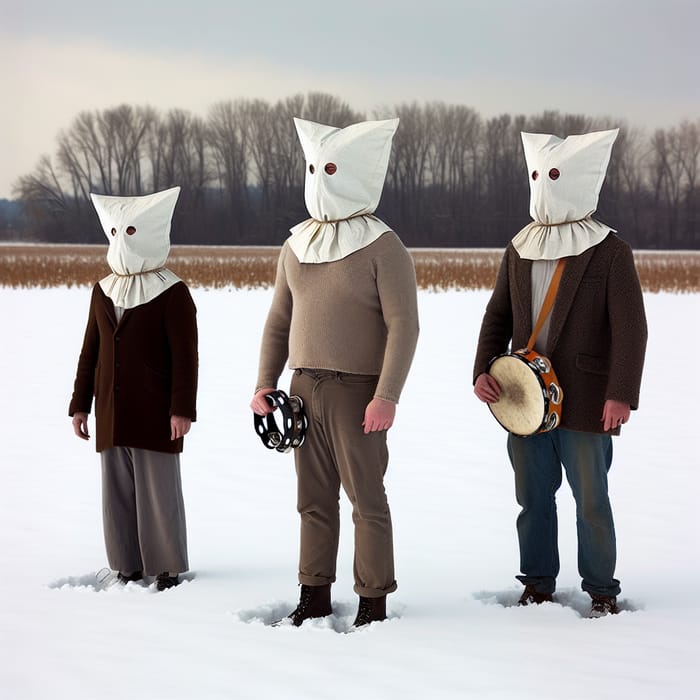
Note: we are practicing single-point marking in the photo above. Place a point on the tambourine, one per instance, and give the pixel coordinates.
(531, 396)
(294, 422)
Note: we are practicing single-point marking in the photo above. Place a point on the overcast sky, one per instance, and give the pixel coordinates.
(637, 60)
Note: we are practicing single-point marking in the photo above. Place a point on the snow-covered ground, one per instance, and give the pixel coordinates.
(453, 631)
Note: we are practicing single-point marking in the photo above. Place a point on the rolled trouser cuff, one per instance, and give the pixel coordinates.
(374, 592)
(315, 580)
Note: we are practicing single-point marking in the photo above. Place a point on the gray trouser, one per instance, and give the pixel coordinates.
(337, 452)
(143, 511)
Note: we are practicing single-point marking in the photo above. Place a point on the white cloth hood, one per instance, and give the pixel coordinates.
(138, 231)
(345, 172)
(565, 176)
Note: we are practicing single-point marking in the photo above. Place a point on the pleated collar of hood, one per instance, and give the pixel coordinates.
(345, 173)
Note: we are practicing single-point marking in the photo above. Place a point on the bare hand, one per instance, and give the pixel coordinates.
(80, 426)
(379, 415)
(260, 404)
(486, 388)
(179, 427)
(615, 413)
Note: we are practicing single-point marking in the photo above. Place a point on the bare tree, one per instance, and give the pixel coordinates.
(453, 169)
(229, 143)
(54, 216)
(506, 190)
(408, 172)
(689, 156)
(666, 168)
(328, 109)
(627, 175)
(103, 150)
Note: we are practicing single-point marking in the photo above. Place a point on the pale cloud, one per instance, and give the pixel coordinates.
(49, 84)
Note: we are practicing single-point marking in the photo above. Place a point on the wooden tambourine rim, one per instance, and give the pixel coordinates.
(551, 412)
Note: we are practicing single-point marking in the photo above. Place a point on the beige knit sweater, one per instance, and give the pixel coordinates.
(357, 315)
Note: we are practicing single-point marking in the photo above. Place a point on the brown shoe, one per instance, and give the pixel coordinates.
(602, 605)
(164, 581)
(370, 610)
(126, 578)
(532, 597)
(314, 601)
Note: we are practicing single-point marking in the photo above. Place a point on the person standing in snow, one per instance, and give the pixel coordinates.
(344, 313)
(139, 360)
(596, 339)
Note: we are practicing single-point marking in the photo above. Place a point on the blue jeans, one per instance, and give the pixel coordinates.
(537, 461)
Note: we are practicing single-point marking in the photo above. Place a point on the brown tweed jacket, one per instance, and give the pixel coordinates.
(140, 371)
(598, 331)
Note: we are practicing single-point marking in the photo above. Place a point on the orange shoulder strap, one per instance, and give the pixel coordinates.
(547, 303)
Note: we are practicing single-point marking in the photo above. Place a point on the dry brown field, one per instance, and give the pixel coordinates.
(247, 267)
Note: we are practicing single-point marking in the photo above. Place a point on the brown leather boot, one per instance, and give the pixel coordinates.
(314, 601)
(126, 578)
(370, 610)
(602, 605)
(531, 596)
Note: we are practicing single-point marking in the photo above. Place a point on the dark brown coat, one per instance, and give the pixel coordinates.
(598, 332)
(140, 371)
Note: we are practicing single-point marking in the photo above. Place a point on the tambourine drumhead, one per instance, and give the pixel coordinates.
(521, 408)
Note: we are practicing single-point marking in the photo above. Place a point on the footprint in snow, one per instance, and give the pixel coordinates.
(572, 598)
(275, 614)
(106, 579)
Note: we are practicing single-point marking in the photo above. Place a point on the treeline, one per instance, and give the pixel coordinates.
(455, 178)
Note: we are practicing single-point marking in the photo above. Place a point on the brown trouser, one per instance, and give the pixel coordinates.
(336, 451)
(143, 511)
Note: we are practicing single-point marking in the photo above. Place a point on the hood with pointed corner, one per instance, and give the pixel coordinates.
(345, 168)
(137, 228)
(138, 231)
(566, 175)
